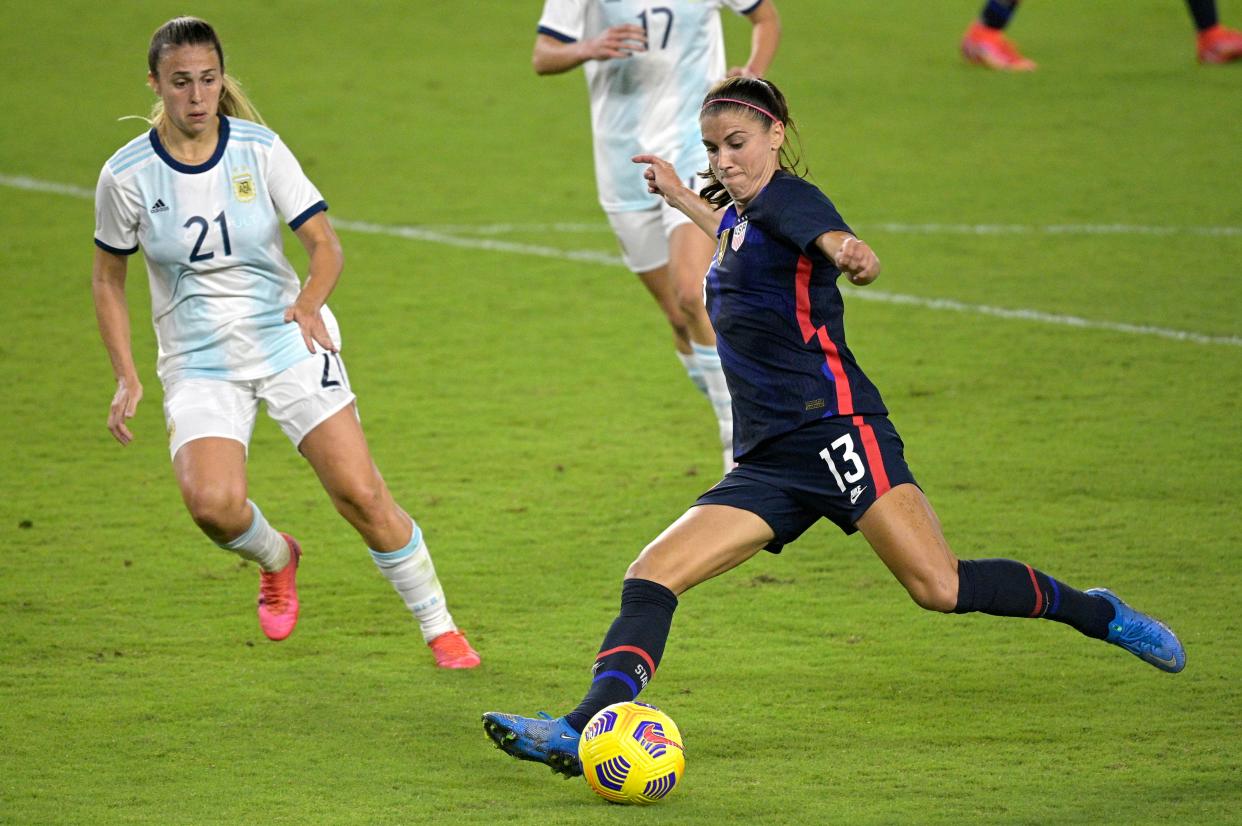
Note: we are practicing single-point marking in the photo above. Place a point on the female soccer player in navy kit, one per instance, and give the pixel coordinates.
(813, 437)
(203, 194)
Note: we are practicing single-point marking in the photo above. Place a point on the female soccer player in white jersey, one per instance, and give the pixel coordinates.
(647, 68)
(203, 194)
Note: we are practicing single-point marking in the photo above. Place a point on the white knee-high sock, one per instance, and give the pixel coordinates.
(708, 361)
(411, 572)
(260, 543)
(691, 364)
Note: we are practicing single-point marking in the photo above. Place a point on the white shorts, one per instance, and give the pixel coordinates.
(643, 234)
(298, 399)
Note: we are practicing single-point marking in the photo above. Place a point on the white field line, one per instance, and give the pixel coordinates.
(1040, 317)
(438, 236)
(452, 235)
(35, 185)
(881, 226)
(1052, 229)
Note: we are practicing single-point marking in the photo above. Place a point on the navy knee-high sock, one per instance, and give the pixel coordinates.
(1204, 13)
(996, 13)
(1012, 589)
(632, 648)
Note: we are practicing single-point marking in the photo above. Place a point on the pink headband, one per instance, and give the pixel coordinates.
(742, 103)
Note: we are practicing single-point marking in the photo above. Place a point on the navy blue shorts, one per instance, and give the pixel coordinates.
(834, 468)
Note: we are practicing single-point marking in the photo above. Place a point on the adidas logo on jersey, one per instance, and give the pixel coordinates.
(159, 206)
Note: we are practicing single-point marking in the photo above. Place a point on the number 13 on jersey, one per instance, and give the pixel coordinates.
(854, 469)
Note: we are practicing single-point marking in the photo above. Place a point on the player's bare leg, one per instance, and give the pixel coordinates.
(659, 284)
(700, 361)
(905, 533)
(337, 449)
(705, 542)
(211, 473)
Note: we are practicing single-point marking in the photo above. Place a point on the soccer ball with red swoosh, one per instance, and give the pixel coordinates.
(632, 753)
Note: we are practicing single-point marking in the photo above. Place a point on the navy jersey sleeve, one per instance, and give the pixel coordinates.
(798, 211)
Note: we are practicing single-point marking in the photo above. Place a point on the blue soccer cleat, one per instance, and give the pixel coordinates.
(1145, 637)
(543, 739)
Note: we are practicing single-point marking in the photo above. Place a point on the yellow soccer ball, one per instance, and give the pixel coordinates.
(632, 753)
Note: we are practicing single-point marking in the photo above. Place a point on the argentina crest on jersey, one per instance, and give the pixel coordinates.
(739, 234)
(243, 186)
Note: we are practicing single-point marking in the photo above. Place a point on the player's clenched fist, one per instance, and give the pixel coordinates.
(857, 261)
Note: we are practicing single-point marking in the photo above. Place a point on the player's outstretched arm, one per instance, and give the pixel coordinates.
(553, 56)
(765, 36)
(851, 255)
(112, 313)
(662, 180)
(326, 262)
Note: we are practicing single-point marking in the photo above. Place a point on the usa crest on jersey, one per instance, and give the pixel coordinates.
(739, 235)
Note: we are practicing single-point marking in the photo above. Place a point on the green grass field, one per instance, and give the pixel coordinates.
(522, 399)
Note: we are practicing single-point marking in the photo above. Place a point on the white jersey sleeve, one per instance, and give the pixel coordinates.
(294, 196)
(117, 215)
(564, 19)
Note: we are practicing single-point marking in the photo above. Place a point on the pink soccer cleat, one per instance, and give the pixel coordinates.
(453, 650)
(278, 595)
(985, 46)
(1220, 45)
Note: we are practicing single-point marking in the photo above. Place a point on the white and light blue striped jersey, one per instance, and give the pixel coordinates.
(211, 236)
(647, 103)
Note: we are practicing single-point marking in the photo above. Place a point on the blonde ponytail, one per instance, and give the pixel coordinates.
(235, 104)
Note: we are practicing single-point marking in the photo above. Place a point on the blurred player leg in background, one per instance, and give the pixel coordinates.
(1216, 44)
(690, 255)
(671, 259)
(985, 45)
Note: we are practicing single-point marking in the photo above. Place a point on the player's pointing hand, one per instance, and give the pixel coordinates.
(660, 175)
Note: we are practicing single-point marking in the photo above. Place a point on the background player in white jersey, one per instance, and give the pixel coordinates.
(203, 194)
(647, 68)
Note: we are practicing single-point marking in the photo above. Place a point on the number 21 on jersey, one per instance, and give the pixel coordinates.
(197, 254)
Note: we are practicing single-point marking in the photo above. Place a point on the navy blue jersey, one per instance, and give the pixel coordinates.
(772, 297)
